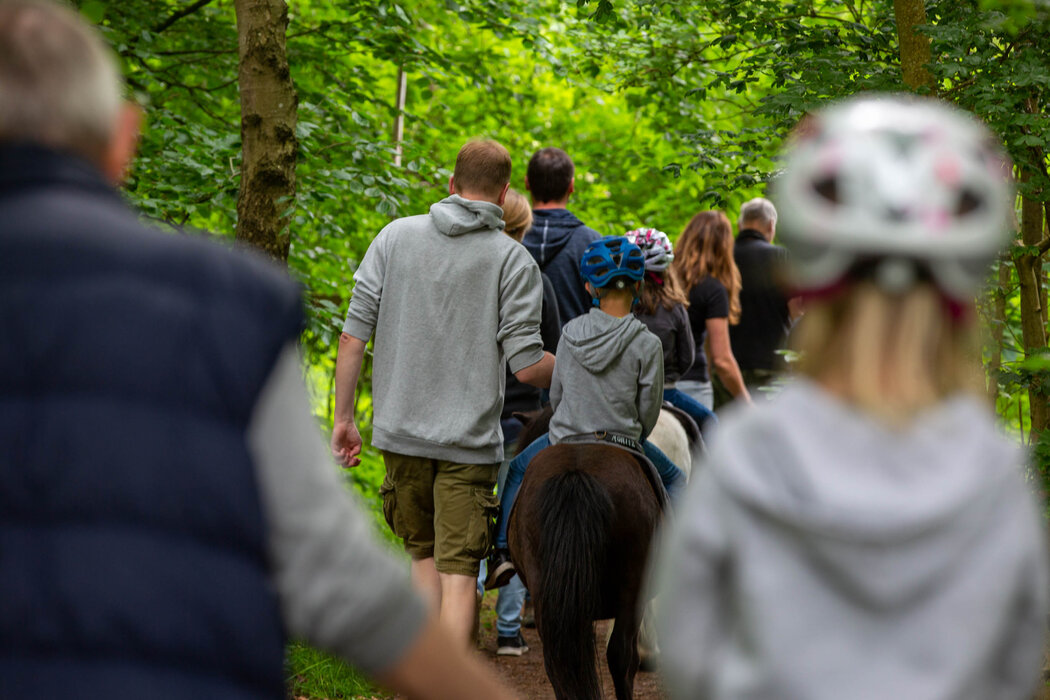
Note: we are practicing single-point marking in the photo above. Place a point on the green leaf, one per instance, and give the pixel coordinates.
(94, 11)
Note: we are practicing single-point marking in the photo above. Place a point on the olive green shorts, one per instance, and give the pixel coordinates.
(441, 509)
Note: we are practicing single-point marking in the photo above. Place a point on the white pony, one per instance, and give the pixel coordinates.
(673, 441)
(671, 436)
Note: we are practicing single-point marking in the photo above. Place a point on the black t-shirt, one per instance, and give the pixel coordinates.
(764, 317)
(672, 327)
(707, 299)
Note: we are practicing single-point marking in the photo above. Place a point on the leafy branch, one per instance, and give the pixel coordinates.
(175, 17)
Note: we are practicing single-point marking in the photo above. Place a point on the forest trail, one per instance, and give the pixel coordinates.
(525, 673)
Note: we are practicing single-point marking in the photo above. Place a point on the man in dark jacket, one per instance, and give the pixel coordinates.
(765, 311)
(170, 511)
(557, 239)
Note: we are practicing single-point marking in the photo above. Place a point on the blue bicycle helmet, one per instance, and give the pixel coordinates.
(613, 262)
(612, 257)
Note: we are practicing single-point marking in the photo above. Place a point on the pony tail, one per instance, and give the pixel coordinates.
(577, 515)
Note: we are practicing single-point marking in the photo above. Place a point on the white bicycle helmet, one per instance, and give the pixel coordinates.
(909, 185)
(655, 245)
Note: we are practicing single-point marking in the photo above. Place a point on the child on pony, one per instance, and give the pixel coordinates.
(608, 380)
(869, 533)
(661, 307)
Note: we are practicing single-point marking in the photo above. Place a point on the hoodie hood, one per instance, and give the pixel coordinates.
(883, 511)
(551, 230)
(597, 339)
(455, 216)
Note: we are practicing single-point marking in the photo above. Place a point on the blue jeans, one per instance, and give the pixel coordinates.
(705, 418)
(511, 597)
(702, 392)
(671, 476)
(509, 601)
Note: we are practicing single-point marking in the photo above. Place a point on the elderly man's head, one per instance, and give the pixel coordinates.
(60, 87)
(759, 214)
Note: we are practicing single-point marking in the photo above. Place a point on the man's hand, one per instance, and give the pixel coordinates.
(346, 443)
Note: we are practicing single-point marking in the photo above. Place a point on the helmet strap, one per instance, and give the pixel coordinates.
(876, 271)
(895, 276)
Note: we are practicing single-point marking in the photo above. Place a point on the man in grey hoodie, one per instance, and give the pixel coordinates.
(450, 300)
(557, 238)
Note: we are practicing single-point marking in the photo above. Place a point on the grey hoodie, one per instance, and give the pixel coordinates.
(450, 299)
(819, 554)
(608, 376)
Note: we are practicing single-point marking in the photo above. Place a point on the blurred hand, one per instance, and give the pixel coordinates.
(346, 443)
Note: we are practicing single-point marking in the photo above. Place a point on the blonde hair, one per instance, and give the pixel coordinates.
(890, 355)
(705, 249)
(59, 83)
(482, 167)
(517, 215)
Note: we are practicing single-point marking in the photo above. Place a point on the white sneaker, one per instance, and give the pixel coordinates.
(511, 646)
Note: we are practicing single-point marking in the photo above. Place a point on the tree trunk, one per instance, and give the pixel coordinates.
(399, 115)
(997, 323)
(915, 47)
(268, 116)
(1033, 327)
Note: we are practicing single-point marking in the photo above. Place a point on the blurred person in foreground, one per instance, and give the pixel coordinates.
(170, 509)
(869, 532)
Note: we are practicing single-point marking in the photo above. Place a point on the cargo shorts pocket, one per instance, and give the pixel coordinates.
(483, 520)
(389, 496)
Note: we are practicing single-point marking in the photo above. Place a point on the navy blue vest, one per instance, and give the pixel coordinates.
(132, 539)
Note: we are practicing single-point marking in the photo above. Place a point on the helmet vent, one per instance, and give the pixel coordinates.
(828, 188)
(969, 201)
(608, 258)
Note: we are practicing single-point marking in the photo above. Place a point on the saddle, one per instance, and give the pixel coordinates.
(602, 437)
(692, 430)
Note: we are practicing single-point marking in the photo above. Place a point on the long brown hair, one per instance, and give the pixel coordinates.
(660, 290)
(705, 249)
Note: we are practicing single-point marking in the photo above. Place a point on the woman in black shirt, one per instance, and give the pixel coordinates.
(704, 266)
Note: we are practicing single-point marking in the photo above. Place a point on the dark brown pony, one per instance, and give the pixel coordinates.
(579, 534)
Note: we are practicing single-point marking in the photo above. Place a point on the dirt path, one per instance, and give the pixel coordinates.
(525, 673)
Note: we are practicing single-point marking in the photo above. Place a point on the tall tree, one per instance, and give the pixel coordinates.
(268, 118)
(1029, 261)
(915, 47)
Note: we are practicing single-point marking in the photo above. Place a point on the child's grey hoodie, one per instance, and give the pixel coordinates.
(609, 376)
(451, 298)
(819, 554)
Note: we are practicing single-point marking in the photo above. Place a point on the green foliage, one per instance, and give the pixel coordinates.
(730, 79)
(998, 69)
(1041, 468)
(315, 674)
(476, 68)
